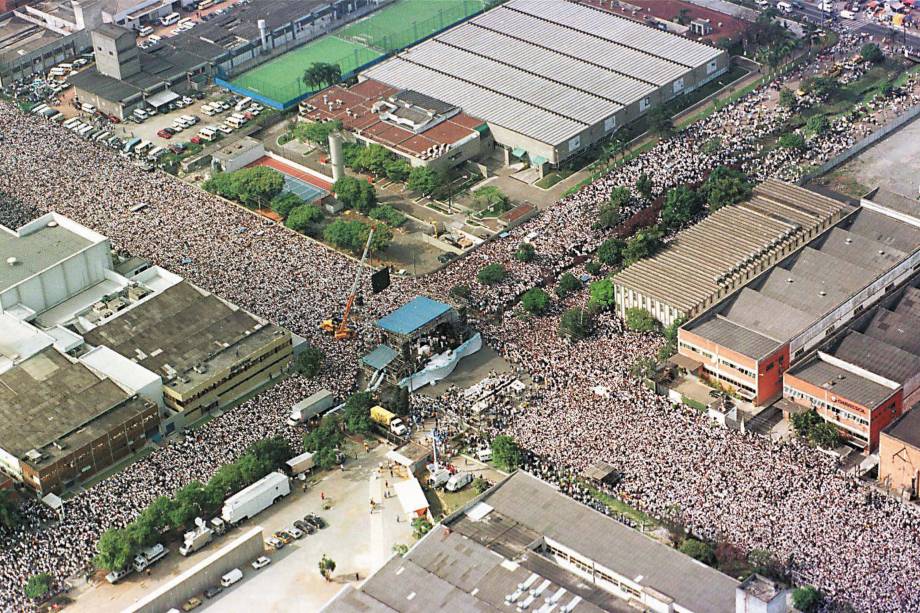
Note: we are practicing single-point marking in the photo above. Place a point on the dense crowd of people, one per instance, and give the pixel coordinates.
(724, 486)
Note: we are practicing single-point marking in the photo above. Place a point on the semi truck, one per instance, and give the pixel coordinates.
(299, 464)
(197, 538)
(149, 556)
(311, 407)
(256, 498)
(388, 420)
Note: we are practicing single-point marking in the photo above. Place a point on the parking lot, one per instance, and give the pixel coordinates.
(357, 540)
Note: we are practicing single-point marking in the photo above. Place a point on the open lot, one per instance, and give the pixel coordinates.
(358, 541)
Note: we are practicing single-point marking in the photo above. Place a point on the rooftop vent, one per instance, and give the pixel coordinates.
(822, 293)
(52, 224)
(12, 261)
(848, 240)
(789, 280)
(881, 252)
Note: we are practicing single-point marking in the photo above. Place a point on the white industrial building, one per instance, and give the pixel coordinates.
(552, 78)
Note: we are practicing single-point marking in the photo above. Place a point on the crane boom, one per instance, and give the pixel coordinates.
(342, 330)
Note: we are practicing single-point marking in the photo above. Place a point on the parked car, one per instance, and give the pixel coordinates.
(166, 133)
(261, 562)
(191, 604)
(307, 528)
(284, 536)
(295, 532)
(213, 591)
(225, 129)
(316, 520)
(275, 543)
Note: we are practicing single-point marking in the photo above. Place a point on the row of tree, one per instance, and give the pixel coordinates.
(117, 547)
(252, 187)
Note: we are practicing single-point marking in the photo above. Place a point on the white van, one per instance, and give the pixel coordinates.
(87, 108)
(57, 71)
(236, 122)
(156, 153)
(71, 122)
(242, 104)
(209, 110)
(143, 146)
(39, 108)
(145, 30)
(208, 134)
(458, 481)
(231, 577)
(847, 15)
(784, 7)
(170, 19)
(189, 119)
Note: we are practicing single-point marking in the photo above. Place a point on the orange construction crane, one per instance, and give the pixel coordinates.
(339, 327)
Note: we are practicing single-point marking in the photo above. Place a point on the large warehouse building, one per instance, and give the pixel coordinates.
(715, 257)
(552, 78)
(747, 341)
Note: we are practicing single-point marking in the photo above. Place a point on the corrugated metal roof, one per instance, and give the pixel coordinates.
(493, 107)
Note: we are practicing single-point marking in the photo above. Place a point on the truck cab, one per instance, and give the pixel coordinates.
(398, 428)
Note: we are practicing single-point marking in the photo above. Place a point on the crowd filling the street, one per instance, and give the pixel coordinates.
(823, 526)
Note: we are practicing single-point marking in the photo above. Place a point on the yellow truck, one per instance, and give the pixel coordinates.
(388, 420)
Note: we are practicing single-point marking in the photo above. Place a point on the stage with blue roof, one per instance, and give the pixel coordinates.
(413, 316)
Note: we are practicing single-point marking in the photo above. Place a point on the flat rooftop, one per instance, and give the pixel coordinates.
(841, 382)
(48, 398)
(547, 70)
(35, 251)
(906, 428)
(241, 22)
(357, 114)
(877, 357)
(413, 315)
(688, 271)
(180, 328)
(19, 37)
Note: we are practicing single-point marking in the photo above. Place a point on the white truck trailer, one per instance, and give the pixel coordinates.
(299, 464)
(311, 407)
(256, 498)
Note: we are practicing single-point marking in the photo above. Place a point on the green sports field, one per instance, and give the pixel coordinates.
(282, 78)
(394, 27)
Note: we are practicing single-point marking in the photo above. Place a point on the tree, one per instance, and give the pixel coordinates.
(9, 514)
(611, 251)
(323, 441)
(490, 198)
(424, 180)
(317, 132)
(114, 550)
(326, 567)
(825, 435)
(786, 98)
(643, 368)
(191, 501)
(352, 235)
(619, 197)
(698, 550)
(670, 336)
(158, 511)
(807, 598)
(643, 244)
(304, 218)
(535, 301)
(462, 292)
(506, 454)
(816, 124)
(681, 204)
(319, 74)
(609, 216)
(398, 170)
(764, 562)
(275, 450)
(388, 215)
(644, 186)
(420, 527)
(820, 86)
(659, 121)
(259, 185)
(400, 549)
(227, 480)
(567, 284)
(725, 186)
(602, 294)
(593, 267)
(310, 361)
(870, 52)
(358, 412)
(373, 158)
(885, 88)
(575, 324)
(525, 252)
(491, 274)
(803, 423)
(640, 320)
(355, 194)
(142, 532)
(712, 146)
(480, 485)
(286, 202)
(38, 586)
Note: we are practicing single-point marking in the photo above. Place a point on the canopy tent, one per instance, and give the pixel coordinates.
(162, 98)
(411, 497)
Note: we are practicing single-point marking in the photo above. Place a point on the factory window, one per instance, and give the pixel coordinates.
(711, 67)
(678, 85)
(574, 143)
(610, 123)
(644, 104)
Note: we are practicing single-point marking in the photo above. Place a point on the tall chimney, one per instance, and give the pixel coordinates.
(263, 34)
(338, 160)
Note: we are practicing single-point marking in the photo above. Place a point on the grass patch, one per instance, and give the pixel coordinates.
(618, 506)
(553, 178)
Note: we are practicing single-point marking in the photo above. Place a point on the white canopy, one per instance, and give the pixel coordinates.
(162, 98)
(411, 496)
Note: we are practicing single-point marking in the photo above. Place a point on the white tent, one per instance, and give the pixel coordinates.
(411, 497)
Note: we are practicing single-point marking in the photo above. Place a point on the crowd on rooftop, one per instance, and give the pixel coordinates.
(784, 497)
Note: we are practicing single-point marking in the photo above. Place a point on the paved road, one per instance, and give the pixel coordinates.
(862, 23)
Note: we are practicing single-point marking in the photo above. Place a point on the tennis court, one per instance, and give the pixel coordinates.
(394, 27)
(282, 78)
(302, 189)
(306, 186)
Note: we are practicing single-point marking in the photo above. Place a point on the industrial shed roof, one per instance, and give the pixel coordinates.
(840, 382)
